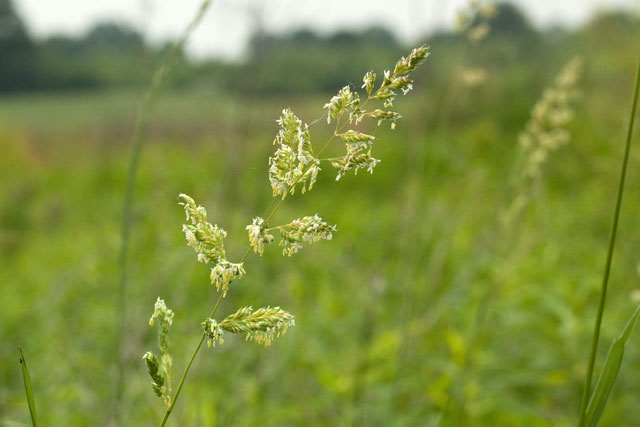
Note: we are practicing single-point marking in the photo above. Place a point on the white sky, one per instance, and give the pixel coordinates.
(225, 29)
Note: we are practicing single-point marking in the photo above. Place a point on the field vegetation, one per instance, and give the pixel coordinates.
(386, 314)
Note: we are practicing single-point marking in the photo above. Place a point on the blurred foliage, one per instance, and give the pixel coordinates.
(384, 311)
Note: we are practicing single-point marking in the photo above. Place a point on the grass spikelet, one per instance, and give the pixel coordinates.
(310, 229)
(213, 332)
(224, 273)
(160, 370)
(258, 235)
(262, 325)
(206, 239)
(293, 162)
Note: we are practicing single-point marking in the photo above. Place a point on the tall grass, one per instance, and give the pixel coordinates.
(609, 258)
(142, 120)
(307, 384)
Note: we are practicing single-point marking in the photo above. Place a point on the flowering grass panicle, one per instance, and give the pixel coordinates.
(213, 331)
(358, 153)
(345, 102)
(294, 164)
(160, 370)
(546, 129)
(208, 242)
(224, 273)
(399, 79)
(157, 379)
(310, 229)
(544, 133)
(258, 235)
(262, 325)
(206, 239)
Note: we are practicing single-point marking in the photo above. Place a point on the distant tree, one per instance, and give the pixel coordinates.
(113, 36)
(304, 36)
(509, 20)
(17, 51)
(344, 37)
(380, 36)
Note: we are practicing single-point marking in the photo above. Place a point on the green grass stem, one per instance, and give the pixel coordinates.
(607, 268)
(142, 121)
(28, 389)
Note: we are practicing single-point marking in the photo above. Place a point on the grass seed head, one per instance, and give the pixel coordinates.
(262, 325)
(310, 229)
(224, 273)
(206, 239)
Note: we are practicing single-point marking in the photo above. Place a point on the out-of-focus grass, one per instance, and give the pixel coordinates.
(382, 311)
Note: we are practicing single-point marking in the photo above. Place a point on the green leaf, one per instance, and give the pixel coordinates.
(609, 373)
(28, 389)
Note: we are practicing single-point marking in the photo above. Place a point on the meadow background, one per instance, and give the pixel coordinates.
(384, 312)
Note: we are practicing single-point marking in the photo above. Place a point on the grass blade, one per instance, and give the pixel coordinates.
(607, 268)
(609, 373)
(28, 389)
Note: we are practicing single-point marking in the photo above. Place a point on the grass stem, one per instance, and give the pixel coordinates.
(142, 120)
(607, 269)
(28, 389)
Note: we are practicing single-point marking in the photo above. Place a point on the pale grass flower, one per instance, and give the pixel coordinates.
(160, 371)
(262, 325)
(545, 131)
(345, 102)
(310, 229)
(206, 239)
(258, 235)
(224, 273)
(213, 332)
(293, 162)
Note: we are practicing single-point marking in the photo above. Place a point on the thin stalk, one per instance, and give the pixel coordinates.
(193, 356)
(142, 120)
(607, 268)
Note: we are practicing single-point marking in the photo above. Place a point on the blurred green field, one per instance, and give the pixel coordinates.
(383, 311)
